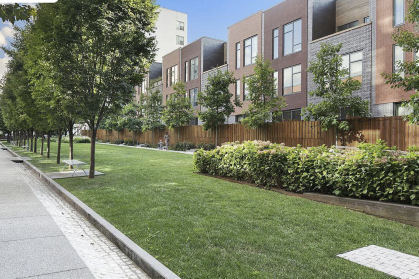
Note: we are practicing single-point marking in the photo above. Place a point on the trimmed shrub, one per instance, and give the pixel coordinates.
(182, 146)
(77, 140)
(206, 146)
(371, 172)
(129, 142)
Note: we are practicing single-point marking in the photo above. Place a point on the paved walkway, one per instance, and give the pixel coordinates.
(41, 236)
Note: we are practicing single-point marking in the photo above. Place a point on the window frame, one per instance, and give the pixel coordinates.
(195, 63)
(238, 55)
(351, 62)
(251, 50)
(394, 13)
(292, 80)
(193, 96)
(394, 60)
(293, 37)
(275, 50)
(180, 25)
(178, 41)
(292, 111)
(238, 90)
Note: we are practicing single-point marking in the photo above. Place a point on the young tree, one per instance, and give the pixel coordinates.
(151, 110)
(266, 105)
(216, 99)
(178, 110)
(408, 75)
(335, 88)
(100, 50)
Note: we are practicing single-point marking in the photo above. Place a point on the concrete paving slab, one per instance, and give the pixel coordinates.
(38, 256)
(22, 210)
(70, 174)
(28, 227)
(10, 185)
(71, 274)
(17, 197)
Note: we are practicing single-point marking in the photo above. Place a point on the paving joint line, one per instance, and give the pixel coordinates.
(58, 272)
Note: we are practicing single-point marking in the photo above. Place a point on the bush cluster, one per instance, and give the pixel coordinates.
(129, 142)
(206, 146)
(371, 172)
(182, 146)
(77, 140)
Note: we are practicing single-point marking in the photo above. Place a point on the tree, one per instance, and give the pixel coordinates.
(151, 110)
(408, 75)
(216, 99)
(335, 87)
(266, 105)
(15, 12)
(99, 51)
(178, 110)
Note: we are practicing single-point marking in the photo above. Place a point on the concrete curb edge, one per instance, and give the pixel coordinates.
(144, 260)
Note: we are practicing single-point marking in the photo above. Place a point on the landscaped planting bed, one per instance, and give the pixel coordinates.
(371, 172)
(206, 228)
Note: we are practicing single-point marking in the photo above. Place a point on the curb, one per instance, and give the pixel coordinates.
(144, 260)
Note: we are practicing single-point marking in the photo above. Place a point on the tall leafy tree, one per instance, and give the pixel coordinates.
(266, 106)
(408, 75)
(99, 51)
(335, 87)
(178, 111)
(15, 12)
(216, 99)
(151, 110)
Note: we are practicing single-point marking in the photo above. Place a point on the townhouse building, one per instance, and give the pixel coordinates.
(187, 64)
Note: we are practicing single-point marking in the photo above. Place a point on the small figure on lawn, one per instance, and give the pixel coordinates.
(160, 145)
(166, 140)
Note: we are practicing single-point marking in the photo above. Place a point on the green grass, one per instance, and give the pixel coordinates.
(202, 227)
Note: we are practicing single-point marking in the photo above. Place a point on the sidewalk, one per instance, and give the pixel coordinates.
(41, 236)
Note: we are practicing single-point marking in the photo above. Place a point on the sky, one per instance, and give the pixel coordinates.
(209, 18)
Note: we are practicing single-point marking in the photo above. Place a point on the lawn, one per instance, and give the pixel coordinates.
(203, 227)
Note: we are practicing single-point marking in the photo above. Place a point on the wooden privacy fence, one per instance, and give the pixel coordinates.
(394, 130)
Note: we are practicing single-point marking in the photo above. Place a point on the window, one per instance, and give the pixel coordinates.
(239, 118)
(399, 110)
(180, 25)
(179, 40)
(186, 71)
(353, 62)
(250, 50)
(291, 114)
(238, 93)
(167, 77)
(366, 19)
(238, 56)
(173, 78)
(292, 80)
(275, 41)
(246, 92)
(398, 12)
(276, 80)
(398, 57)
(193, 96)
(348, 25)
(194, 68)
(143, 87)
(292, 37)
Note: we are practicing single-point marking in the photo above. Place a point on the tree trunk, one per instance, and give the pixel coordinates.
(48, 145)
(35, 144)
(92, 153)
(42, 144)
(31, 140)
(216, 135)
(178, 134)
(70, 143)
(24, 138)
(336, 136)
(152, 133)
(59, 147)
(21, 138)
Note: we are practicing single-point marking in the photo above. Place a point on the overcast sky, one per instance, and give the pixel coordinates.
(208, 18)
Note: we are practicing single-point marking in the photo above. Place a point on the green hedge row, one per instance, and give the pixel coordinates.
(371, 172)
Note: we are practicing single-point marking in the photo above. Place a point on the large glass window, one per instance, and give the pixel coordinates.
(250, 50)
(193, 96)
(353, 62)
(180, 40)
(348, 25)
(399, 110)
(246, 92)
(194, 68)
(398, 57)
(238, 55)
(291, 114)
(174, 75)
(276, 80)
(238, 91)
(398, 12)
(186, 71)
(292, 79)
(167, 77)
(275, 42)
(180, 25)
(292, 37)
